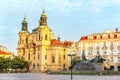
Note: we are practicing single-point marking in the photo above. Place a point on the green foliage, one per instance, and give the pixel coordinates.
(20, 63)
(15, 63)
(4, 63)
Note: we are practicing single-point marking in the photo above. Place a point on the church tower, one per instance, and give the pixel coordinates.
(40, 48)
(43, 19)
(23, 40)
(24, 24)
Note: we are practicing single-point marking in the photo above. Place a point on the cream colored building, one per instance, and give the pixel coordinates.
(107, 44)
(41, 49)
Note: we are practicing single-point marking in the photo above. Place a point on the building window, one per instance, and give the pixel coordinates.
(112, 36)
(38, 66)
(104, 52)
(20, 39)
(39, 36)
(64, 56)
(38, 56)
(59, 59)
(119, 36)
(64, 66)
(118, 48)
(111, 59)
(64, 50)
(98, 37)
(26, 41)
(34, 57)
(46, 37)
(28, 56)
(118, 59)
(33, 66)
(104, 36)
(45, 56)
(53, 59)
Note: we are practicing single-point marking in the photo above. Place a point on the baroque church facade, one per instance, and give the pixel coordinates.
(41, 49)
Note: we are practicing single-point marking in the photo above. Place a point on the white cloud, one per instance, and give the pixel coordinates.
(62, 5)
(70, 5)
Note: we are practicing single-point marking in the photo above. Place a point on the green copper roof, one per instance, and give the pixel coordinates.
(35, 30)
(25, 20)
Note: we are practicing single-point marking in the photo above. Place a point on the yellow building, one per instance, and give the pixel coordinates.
(41, 49)
(107, 44)
(4, 52)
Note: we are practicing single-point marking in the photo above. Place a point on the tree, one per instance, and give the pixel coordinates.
(15, 63)
(5, 64)
(19, 63)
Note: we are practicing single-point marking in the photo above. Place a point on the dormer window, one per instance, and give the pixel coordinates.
(105, 36)
(111, 36)
(118, 36)
(98, 37)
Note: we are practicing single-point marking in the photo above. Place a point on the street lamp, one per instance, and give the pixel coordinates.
(71, 63)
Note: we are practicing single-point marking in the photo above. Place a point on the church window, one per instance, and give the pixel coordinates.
(59, 59)
(26, 41)
(53, 59)
(39, 37)
(22, 41)
(28, 56)
(64, 66)
(34, 57)
(33, 66)
(64, 56)
(38, 57)
(46, 37)
(64, 50)
(45, 56)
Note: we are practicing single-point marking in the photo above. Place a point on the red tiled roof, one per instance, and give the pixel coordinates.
(4, 53)
(115, 36)
(95, 37)
(56, 42)
(84, 38)
(68, 43)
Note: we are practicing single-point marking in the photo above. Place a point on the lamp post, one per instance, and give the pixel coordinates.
(71, 63)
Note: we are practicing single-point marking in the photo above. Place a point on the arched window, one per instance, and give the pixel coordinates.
(29, 56)
(53, 59)
(46, 37)
(26, 40)
(39, 36)
(33, 66)
(111, 36)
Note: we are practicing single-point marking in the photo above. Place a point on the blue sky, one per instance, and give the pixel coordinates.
(69, 18)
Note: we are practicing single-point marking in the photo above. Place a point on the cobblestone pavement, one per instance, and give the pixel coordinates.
(40, 76)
